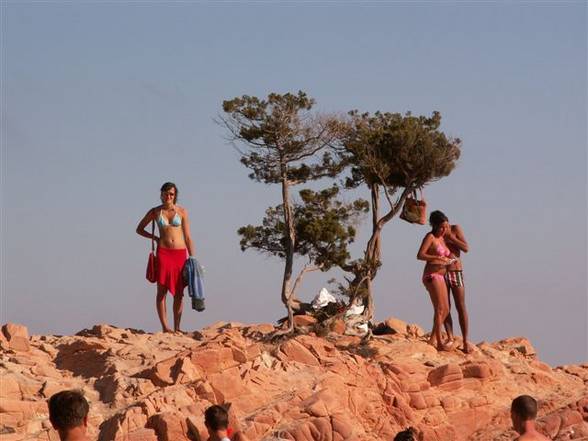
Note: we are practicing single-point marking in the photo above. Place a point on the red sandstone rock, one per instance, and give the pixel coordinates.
(11, 330)
(304, 320)
(139, 435)
(15, 337)
(294, 351)
(18, 343)
(445, 374)
(144, 387)
(215, 360)
(518, 345)
(476, 370)
(338, 326)
(169, 426)
(396, 325)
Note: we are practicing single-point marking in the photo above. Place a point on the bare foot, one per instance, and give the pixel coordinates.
(179, 332)
(467, 348)
(432, 341)
(168, 331)
(444, 347)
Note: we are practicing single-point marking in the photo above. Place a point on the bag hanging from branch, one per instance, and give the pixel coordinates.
(151, 272)
(414, 210)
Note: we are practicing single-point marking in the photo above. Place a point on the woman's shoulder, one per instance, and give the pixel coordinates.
(181, 210)
(155, 210)
(428, 237)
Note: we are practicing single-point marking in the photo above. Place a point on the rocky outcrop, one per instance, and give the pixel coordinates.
(147, 387)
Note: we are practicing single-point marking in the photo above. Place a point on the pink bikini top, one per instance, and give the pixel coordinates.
(442, 250)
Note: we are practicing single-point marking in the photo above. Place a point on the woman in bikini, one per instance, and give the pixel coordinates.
(173, 245)
(434, 251)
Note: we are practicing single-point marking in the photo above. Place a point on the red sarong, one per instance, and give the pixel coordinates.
(169, 268)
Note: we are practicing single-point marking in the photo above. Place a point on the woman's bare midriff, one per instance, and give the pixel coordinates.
(431, 268)
(434, 268)
(171, 237)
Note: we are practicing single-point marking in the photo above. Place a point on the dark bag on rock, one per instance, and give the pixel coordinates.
(414, 210)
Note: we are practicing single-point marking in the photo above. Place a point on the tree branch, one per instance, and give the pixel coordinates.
(307, 268)
(384, 219)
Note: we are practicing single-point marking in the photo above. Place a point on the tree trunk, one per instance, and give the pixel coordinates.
(375, 192)
(365, 274)
(372, 252)
(290, 244)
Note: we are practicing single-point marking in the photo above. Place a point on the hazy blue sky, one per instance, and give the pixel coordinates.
(103, 102)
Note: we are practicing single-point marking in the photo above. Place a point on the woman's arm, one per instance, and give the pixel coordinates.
(431, 258)
(144, 222)
(457, 239)
(186, 231)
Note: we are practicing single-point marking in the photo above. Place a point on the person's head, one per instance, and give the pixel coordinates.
(68, 410)
(169, 191)
(523, 408)
(439, 222)
(406, 435)
(216, 418)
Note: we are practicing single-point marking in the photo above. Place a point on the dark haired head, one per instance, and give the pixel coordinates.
(68, 409)
(437, 218)
(406, 435)
(216, 418)
(525, 407)
(169, 186)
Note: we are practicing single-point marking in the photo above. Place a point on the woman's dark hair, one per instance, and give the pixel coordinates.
(437, 218)
(409, 434)
(168, 186)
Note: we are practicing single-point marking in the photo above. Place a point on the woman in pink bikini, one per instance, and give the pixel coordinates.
(434, 251)
(173, 245)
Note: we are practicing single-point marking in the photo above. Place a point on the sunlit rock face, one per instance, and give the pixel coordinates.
(147, 387)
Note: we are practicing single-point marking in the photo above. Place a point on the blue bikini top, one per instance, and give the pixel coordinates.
(163, 222)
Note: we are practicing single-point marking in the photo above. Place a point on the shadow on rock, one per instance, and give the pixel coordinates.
(83, 358)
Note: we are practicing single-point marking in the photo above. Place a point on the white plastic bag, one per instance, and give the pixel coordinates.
(322, 299)
(354, 310)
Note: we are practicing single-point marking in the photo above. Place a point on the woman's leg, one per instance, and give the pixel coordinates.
(178, 308)
(459, 297)
(448, 323)
(438, 293)
(161, 308)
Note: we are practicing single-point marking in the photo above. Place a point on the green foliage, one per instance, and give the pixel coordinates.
(395, 150)
(269, 237)
(324, 227)
(389, 152)
(282, 137)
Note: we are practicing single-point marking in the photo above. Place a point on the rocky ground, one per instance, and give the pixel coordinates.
(335, 387)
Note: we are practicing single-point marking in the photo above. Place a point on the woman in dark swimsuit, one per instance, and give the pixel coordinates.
(434, 251)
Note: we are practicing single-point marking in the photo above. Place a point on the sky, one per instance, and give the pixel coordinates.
(102, 102)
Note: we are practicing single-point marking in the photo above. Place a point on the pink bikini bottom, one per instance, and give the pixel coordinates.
(427, 278)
